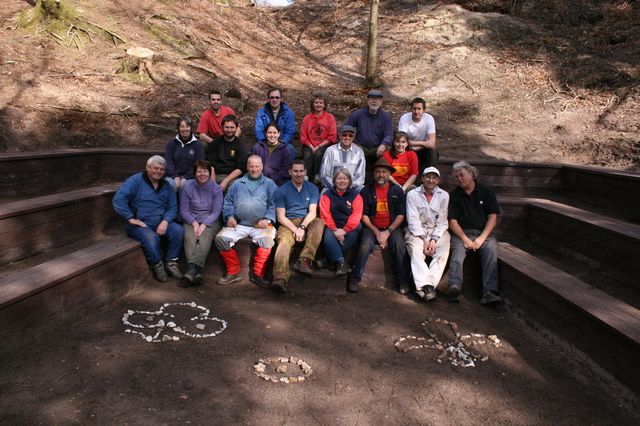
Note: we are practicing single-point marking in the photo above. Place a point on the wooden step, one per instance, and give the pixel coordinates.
(605, 243)
(33, 225)
(601, 326)
(86, 278)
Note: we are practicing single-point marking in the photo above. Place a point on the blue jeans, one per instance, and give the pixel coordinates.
(151, 241)
(488, 260)
(398, 249)
(335, 250)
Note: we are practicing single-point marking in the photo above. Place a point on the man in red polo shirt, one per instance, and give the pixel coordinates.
(210, 125)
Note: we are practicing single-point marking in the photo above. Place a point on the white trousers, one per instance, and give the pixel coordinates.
(262, 237)
(427, 274)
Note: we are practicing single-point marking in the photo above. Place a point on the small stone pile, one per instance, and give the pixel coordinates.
(298, 369)
(456, 351)
(161, 329)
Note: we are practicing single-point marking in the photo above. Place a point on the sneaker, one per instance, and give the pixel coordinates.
(197, 278)
(421, 294)
(430, 294)
(341, 269)
(172, 269)
(490, 297)
(279, 285)
(228, 279)
(403, 288)
(353, 286)
(259, 281)
(454, 294)
(303, 265)
(159, 273)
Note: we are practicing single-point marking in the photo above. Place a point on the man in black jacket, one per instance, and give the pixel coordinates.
(383, 219)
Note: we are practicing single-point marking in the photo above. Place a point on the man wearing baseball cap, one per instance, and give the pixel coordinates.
(383, 216)
(427, 236)
(375, 128)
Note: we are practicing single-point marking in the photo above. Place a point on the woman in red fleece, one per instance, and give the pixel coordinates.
(341, 211)
(318, 132)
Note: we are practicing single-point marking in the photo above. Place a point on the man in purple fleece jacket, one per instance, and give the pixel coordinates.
(200, 208)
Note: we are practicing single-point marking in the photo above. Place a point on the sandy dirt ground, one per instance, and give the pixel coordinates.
(92, 372)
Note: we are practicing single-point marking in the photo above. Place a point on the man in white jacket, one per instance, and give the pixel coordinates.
(427, 237)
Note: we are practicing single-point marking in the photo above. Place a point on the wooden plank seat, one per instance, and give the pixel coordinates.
(602, 326)
(80, 280)
(33, 225)
(606, 243)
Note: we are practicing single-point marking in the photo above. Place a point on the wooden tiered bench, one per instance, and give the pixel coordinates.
(69, 284)
(33, 225)
(603, 327)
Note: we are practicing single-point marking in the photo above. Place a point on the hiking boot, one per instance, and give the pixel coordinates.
(489, 298)
(187, 278)
(279, 285)
(259, 281)
(303, 265)
(341, 269)
(159, 273)
(403, 288)
(228, 279)
(454, 294)
(353, 286)
(430, 293)
(172, 269)
(197, 279)
(322, 263)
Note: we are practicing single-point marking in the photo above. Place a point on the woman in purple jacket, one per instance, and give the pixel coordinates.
(276, 156)
(200, 208)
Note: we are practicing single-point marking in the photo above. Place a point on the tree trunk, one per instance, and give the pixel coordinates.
(372, 45)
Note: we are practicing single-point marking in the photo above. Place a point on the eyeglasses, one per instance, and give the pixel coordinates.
(274, 97)
(348, 135)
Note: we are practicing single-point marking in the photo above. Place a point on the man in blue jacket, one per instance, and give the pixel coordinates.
(276, 111)
(248, 210)
(148, 203)
(383, 215)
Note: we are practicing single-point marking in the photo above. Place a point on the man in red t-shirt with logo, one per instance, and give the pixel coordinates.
(210, 125)
(383, 219)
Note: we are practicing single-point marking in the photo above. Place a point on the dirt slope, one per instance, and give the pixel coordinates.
(544, 83)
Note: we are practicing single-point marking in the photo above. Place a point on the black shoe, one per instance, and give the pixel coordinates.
(353, 286)
(279, 286)
(403, 288)
(430, 293)
(341, 269)
(490, 298)
(259, 281)
(454, 294)
(197, 278)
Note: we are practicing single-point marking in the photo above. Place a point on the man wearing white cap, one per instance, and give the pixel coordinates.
(427, 236)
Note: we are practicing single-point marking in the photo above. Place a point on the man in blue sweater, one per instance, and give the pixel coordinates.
(148, 203)
(248, 210)
(276, 111)
(374, 126)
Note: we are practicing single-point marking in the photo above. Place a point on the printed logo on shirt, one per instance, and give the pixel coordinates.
(232, 153)
(382, 207)
(402, 169)
(192, 152)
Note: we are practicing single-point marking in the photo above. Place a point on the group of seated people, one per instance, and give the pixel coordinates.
(346, 216)
(366, 135)
(222, 194)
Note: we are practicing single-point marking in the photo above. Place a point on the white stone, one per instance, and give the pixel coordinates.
(200, 326)
(171, 324)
